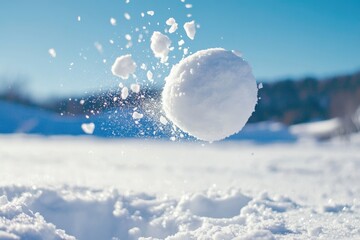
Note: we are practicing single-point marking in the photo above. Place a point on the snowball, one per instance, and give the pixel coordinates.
(137, 115)
(52, 52)
(113, 21)
(190, 29)
(124, 93)
(160, 45)
(88, 128)
(210, 94)
(123, 66)
(135, 87)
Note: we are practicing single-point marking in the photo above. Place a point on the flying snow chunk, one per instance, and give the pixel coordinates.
(173, 25)
(190, 29)
(52, 52)
(113, 21)
(160, 45)
(210, 94)
(151, 13)
(135, 87)
(173, 28)
(99, 47)
(123, 66)
(88, 128)
(149, 75)
(170, 21)
(137, 115)
(124, 93)
(128, 37)
(127, 16)
(181, 42)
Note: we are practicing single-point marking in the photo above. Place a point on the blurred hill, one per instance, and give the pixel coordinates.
(298, 101)
(287, 101)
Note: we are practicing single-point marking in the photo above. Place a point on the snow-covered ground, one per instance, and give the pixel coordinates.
(90, 188)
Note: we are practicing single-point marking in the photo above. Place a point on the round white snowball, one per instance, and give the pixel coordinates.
(210, 94)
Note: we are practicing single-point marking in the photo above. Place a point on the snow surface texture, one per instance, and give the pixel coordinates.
(160, 45)
(210, 94)
(123, 66)
(56, 188)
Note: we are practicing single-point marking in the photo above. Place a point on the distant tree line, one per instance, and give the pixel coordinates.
(297, 101)
(287, 101)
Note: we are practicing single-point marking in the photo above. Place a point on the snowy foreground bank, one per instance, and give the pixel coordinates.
(86, 188)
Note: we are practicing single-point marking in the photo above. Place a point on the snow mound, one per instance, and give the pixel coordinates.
(84, 213)
(123, 66)
(17, 221)
(160, 45)
(210, 94)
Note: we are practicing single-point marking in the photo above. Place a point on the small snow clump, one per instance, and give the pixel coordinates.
(123, 66)
(190, 29)
(160, 45)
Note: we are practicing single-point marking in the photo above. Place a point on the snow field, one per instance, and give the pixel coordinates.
(58, 188)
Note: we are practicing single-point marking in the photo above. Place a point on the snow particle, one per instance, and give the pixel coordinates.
(113, 21)
(98, 47)
(124, 93)
(151, 13)
(163, 120)
(173, 25)
(52, 52)
(137, 115)
(123, 66)
(149, 75)
(135, 87)
(127, 16)
(88, 128)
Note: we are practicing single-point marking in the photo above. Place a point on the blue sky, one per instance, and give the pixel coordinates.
(279, 38)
